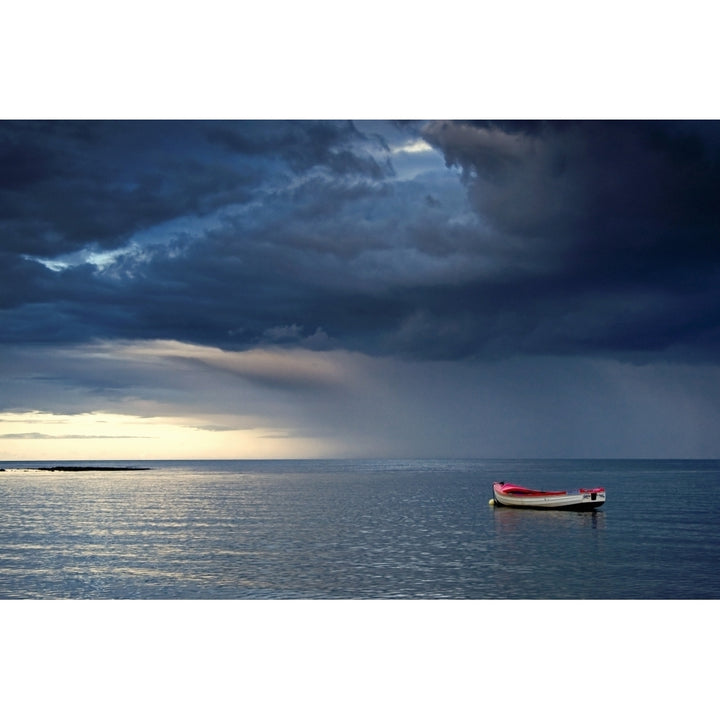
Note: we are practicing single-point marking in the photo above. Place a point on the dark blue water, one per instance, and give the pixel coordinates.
(358, 529)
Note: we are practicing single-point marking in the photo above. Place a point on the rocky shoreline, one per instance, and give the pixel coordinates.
(88, 468)
(84, 468)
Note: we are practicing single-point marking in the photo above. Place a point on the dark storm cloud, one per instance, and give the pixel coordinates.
(538, 238)
(609, 232)
(303, 145)
(590, 193)
(67, 187)
(66, 184)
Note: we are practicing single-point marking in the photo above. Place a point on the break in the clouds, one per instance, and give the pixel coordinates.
(282, 272)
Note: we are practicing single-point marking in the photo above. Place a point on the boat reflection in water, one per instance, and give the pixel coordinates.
(507, 520)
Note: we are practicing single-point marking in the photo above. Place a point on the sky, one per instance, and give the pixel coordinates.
(318, 288)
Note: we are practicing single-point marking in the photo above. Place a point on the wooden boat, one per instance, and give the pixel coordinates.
(516, 496)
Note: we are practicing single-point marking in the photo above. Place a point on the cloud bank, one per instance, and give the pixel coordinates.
(290, 258)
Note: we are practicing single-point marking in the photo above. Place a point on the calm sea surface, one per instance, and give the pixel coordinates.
(357, 529)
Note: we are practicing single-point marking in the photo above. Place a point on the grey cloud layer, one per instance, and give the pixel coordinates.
(610, 231)
(537, 238)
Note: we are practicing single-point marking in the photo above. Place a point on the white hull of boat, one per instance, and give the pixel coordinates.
(579, 500)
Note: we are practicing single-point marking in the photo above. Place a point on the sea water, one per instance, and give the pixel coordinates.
(357, 529)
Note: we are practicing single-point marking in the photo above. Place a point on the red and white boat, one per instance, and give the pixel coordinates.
(511, 495)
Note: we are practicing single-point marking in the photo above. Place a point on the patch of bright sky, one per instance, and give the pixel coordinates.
(97, 436)
(411, 155)
(101, 259)
(412, 146)
(157, 236)
(417, 158)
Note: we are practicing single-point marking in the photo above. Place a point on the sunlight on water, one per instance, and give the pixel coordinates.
(330, 529)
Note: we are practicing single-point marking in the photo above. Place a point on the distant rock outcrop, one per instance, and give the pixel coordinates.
(87, 468)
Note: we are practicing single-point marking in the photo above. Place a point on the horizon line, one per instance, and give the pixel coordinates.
(445, 458)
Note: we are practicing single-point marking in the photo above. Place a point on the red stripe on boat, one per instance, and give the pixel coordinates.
(510, 489)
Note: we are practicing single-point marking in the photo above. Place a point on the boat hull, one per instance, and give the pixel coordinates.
(578, 501)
